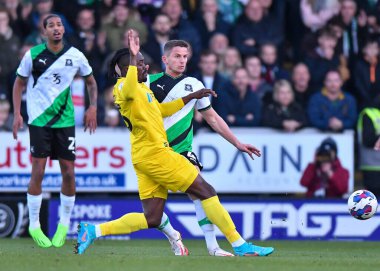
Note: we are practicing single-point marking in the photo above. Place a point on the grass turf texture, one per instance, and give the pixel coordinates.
(22, 254)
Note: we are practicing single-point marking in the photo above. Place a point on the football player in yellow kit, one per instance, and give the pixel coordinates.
(158, 167)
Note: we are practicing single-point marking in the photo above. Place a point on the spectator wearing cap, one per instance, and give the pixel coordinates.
(331, 108)
(240, 107)
(325, 176)
(122, 21)
(284, 113)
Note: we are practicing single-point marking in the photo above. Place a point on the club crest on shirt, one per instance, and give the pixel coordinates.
(69, 62)
(188, 87)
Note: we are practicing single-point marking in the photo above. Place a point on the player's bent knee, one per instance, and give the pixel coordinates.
(153, 221)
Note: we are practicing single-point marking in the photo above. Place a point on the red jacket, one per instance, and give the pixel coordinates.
(336, 186)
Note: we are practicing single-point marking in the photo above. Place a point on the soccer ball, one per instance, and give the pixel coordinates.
(362, 204)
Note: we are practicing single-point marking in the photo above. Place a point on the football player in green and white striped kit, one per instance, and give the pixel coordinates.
(47, 71)
(173, 84)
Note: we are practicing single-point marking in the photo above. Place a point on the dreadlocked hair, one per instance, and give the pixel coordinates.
(121, 59)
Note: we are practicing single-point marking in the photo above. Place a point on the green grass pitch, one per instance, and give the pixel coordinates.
(155, 255)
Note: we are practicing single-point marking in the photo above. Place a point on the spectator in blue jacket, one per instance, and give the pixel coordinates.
(241, 107)
(331, 108)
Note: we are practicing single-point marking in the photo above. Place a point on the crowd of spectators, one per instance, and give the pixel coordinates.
(285, 64)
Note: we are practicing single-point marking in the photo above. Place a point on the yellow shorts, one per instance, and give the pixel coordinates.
(167, 171)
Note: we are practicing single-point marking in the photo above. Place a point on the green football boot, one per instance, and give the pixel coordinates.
(59, 237)
(40, 238)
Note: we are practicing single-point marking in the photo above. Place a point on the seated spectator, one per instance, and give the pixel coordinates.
(271, 70)
(368, 133)
(230, 62)
(283, 113)
(158, 36)
(240, 107)
(258, 85)
(367, 74)
(322, 58)
(315, 14)
(9, 45)
(209, 75)
(300, 82)
(219, 44)
(92, 44)
(182, 29)
(254, 28)
(37, 36)
(331, 108)
(18, 16)
(45, 7)
(210, 21)
(211, 79)
(121, 22)
(325, 177)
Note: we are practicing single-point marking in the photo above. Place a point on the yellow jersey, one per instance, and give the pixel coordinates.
(143, 115)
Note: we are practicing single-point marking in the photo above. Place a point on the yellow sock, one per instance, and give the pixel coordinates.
(221, 218)
(124, 225)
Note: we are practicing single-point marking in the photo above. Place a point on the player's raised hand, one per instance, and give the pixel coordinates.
(377, 145)
(247, 148)
(133, 42)
(18, 123)
(90, 119)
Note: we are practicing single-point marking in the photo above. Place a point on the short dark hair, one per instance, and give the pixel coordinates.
(45, 21)
(333, 71)
(161, 14)
(168, 47)
(327, 32)
(207, 52)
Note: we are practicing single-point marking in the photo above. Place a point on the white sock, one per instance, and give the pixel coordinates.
(34, 206)
(167, 228)
(67, 205)
(238, 242)
(206, 225)
(98, 232)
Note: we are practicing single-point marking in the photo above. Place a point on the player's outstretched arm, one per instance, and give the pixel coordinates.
(18, 87)
(90, 120)
(168, 109)
(199, 95)
(221, 127)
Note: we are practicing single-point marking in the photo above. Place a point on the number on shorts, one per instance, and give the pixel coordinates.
(72, 143)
